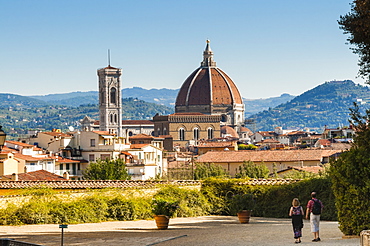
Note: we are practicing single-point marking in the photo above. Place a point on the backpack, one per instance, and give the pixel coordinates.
(316, 209)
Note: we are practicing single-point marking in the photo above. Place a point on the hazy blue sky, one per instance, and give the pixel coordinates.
(268, 47)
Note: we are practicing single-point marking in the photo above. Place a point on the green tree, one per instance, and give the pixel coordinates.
(251, 170)
(107, 170)
(356, 23)
(246, 147)
(207, 170)
(350, 178)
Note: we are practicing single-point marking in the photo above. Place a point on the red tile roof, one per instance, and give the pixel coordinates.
(19, 143)
(137, 146)
(37, 175)
(64, 160)
(188, 113)
(137, 122)
(141, 136)
(266, 155)
(30, 158)
(217, 144)
(56, 134)
(103, 133)
(311, 169)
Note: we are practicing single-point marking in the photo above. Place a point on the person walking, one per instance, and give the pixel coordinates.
(314, 210)
(296, 212)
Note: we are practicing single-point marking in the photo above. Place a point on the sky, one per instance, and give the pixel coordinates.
(267, 47)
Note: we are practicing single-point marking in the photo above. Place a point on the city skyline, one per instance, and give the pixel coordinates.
(268, 48)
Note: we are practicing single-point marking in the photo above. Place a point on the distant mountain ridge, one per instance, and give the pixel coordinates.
(162, 96)
(325, 105)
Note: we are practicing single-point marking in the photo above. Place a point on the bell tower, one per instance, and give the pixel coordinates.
(110, 101)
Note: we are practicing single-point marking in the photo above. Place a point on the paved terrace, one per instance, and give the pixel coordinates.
(205, 231)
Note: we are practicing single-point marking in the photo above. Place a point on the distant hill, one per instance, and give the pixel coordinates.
(327, 104)
(17, 101)
(18, 114)
(163, 96)
(254, 106)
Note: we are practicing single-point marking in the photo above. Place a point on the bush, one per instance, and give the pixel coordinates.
(207, 170)
(190, 202)
(268, 201)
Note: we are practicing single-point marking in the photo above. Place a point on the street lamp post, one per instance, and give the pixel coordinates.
(2, 138)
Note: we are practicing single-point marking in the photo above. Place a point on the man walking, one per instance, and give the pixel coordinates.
(314, 210)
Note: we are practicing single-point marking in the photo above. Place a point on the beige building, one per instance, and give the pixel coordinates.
(187, 128)
(53, 141)
(282, 159)
(8, 165)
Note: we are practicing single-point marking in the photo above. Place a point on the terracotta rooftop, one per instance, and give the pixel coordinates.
(188, 113)
(137, 146)
(229, 130)
(64, 160)
(35, 176)
(222, 144)
(31, 158)
(266, 155)
(19, 143)
(142, 136)
(311, 169)
(103, 133)
(324, 142)
(56, 134)
(137, 122)
(269, 141)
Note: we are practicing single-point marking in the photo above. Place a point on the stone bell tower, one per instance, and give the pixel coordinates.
(110, 101)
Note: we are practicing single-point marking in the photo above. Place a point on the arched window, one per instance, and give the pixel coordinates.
(113, 95)
(111, 118)
(196, 133)
(165, 131)
(210, 133)
(181, 134)
(115, 118)
(158, 131)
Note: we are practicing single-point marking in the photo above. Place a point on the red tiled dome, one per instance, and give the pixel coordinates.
(208, 85)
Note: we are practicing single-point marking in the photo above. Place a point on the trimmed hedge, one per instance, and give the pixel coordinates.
(269, 201)
(217, 196)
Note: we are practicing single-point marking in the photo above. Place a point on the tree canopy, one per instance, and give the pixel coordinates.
(350, 178)
(207, 170)
(251, 170)
(356, 23)
(107, 170)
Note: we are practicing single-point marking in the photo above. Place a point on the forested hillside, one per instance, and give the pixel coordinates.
(19, 114)
(327, 104)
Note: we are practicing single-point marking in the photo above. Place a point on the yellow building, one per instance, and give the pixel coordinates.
(282, 159)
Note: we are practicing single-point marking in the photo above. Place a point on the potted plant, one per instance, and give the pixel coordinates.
(163, 210)
(242, 205)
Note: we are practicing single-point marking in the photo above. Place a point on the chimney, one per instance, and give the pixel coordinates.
(66, 175)
(15, 177)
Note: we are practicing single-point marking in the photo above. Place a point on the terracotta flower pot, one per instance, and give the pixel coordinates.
(244, 216)
(162, 221)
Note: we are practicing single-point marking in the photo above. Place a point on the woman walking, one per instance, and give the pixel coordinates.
(296, 212)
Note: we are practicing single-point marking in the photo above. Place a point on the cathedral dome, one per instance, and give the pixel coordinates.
(208, 90)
